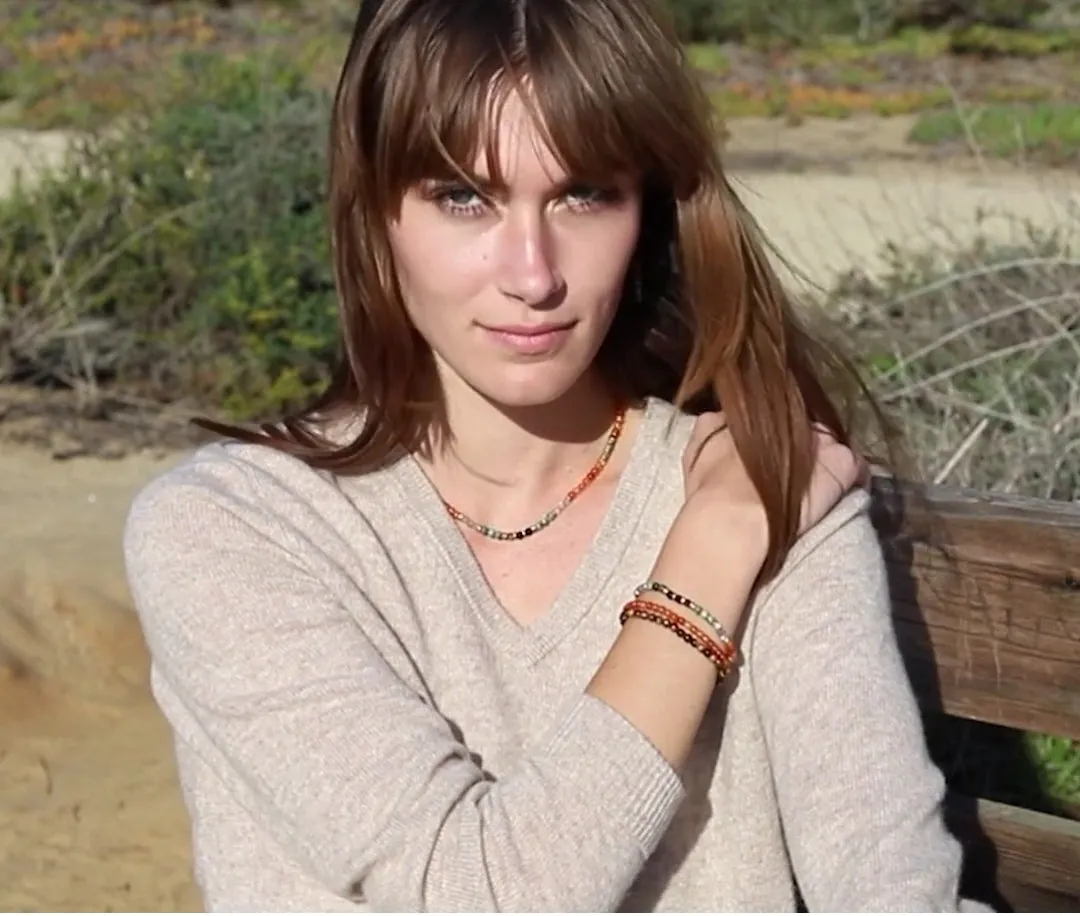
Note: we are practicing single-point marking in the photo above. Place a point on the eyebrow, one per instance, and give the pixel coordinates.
(493, 187)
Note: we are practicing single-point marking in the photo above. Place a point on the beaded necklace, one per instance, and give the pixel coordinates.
(541, 523)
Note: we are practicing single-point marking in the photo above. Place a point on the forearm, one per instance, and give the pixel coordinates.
(412, 822)
(572, 826)
(656, 681)
(265, 675)
(344, 764)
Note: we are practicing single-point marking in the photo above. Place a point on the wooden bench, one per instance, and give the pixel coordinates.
(986, 596)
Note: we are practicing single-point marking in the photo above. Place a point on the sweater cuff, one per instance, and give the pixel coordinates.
(619, 768)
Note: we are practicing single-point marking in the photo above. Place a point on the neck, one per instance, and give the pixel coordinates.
(499, 461)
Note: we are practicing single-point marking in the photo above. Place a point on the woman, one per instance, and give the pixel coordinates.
(494, 625)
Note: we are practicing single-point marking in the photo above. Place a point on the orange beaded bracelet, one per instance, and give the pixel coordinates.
(721, 654)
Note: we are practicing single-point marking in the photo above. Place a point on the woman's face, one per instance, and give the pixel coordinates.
(515, 289)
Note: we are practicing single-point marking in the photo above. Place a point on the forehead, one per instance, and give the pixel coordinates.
(515, 149)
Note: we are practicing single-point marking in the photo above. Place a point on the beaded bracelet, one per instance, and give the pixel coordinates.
(667, 592)
(721, 655)
(678, 625)
(720, 645)
(717, 647)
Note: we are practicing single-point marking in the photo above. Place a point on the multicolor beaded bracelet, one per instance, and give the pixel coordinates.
(723, 645)
(722, 655)
(667, 592)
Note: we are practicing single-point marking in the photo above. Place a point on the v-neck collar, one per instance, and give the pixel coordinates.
(533, 641)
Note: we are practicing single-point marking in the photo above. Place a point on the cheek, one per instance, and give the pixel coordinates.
(599, 258)
(438, 266)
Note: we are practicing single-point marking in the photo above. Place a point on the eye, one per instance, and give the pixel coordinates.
(587, 196)
(457, 199)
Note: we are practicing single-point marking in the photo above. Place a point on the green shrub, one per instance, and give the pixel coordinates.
(795, 22)
(990, 41)
(183, 253)
(1046, 132)
(697, 20)
(808, 22)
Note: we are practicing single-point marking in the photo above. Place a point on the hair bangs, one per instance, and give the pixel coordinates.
(600, 108)
(435, 107)
(609, 96)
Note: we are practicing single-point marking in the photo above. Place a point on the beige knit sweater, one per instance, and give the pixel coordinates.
(360, 726)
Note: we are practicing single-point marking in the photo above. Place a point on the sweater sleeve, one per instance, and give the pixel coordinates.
(351, 770)
(860, 797)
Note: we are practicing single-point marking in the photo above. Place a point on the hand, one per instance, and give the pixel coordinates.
(714, 474)
(718, 544)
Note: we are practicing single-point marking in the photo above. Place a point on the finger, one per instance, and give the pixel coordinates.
(708, 424)
(841, 485)
(835, 473)
(706, 427)
(845, 462)
(864, 476)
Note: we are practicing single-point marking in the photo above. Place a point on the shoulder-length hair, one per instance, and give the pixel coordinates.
(705, 320)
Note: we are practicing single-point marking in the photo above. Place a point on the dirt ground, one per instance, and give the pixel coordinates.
(90, 815)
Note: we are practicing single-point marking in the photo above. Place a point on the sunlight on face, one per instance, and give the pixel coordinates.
(514, 287)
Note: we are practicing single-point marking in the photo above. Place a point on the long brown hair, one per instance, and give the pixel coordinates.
(705, 320)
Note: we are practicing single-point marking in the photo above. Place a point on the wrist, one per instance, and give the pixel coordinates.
(713, 558)
(740, 534)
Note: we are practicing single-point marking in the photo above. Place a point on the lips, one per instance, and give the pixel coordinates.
(522, 330)
(530, 340)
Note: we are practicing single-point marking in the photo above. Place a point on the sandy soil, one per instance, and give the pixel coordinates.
(833, 195)
(90, 816)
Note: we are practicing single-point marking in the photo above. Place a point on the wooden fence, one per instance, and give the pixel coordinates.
(986, 596)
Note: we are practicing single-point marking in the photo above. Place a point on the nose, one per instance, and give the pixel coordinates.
(527, 264)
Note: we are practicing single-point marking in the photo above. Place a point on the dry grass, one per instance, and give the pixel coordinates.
(978, 359)
(976, 356)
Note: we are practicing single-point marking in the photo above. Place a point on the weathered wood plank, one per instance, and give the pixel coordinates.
(1026, 855)
(986, 599)
(1023, 898)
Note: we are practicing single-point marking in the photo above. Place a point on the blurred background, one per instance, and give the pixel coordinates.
(163, 255)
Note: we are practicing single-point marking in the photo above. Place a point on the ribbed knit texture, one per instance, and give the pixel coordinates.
(360, 726)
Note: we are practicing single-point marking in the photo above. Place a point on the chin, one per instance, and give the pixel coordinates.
(536, 388)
